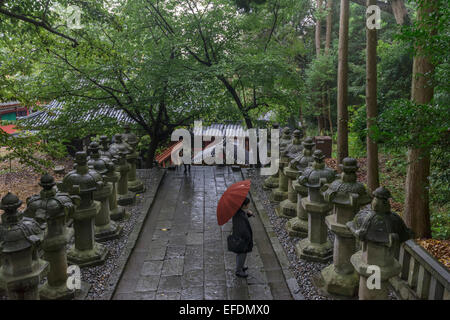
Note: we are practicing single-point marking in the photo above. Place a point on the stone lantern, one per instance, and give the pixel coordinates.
(105, 228)
(298, 226)
(272, 181)
(347, 196)
(288, 207)
(381, 232)
(134, 184)
(83, 182)
(117, 212)
(104, 147)
(316, 247)
(119, 143)
(21, 268)
(125, 197)
(54, 207)
(279, 194)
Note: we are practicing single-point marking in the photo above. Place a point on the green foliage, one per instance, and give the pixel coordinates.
(144, 143)
(406, 124)
(319, 76)
(394, 72)
(357, 122)
(25, 148)
(440, 223)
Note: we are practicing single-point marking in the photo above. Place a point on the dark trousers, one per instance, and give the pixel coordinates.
(240, 261)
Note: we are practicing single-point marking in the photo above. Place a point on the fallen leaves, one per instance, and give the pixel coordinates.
(440, 249)
(23, 181)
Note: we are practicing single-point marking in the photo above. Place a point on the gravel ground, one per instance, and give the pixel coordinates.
(98, 276)
(304, 271)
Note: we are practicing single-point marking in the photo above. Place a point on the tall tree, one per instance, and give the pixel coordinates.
(342, 123)
(317, 40)
(318, 27)
(371, 104)
(327, 51)
(417, 211)
(329, 26)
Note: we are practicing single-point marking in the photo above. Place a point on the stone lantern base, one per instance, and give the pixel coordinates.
(316, 247)
(126, 199)
(27, 283)
(107, 232)
(297, 227)
(287, 209)
(316, 252)
(340, 277)
(119, 213)
(386, 272)
(271, 182)
(47, 292)
(136, 186)
(278, 195)
(88, 258)
(339, 284)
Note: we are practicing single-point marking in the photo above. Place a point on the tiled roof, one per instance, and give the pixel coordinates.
(10, 128)
(9, 104)
(53, 110)
(226, 130)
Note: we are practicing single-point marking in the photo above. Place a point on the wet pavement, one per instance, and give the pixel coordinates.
(182, 253)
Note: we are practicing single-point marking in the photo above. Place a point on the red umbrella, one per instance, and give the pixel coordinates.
(231, 201)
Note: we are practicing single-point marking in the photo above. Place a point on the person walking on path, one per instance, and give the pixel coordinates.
(242, 233)
(234, 204)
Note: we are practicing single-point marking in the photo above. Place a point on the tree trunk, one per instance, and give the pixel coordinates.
(329, 113)
(247, 119)
(151, 151)
(417, 211)
(371, 105)
(317, 40)
(329, 26)
(399, 11)
(318, 26)
(327, 49)
(342, 140)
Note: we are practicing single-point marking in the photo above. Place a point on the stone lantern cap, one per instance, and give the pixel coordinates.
(286, 133)
(118, 141)
(316, 175)
(47, 182)
(82, 179)
(347, 190)
(102, 165)
(49, 203)
(20, 236)
(104, 149)
(379, 224)
(303, 160)
(285, 138)
(10, 202)
(130, 137)
(295, 147)
(19, 233)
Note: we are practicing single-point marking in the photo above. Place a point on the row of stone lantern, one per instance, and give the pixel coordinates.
(89, 195)
(325, 201)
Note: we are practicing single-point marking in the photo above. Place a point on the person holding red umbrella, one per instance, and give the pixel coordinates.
(234, 203)
(243, 231)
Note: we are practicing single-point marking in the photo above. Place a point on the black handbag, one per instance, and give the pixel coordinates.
(235, 244)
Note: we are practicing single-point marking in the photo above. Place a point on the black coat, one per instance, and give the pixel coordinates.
(243, 230)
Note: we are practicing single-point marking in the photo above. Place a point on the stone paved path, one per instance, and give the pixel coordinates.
(182, 253)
